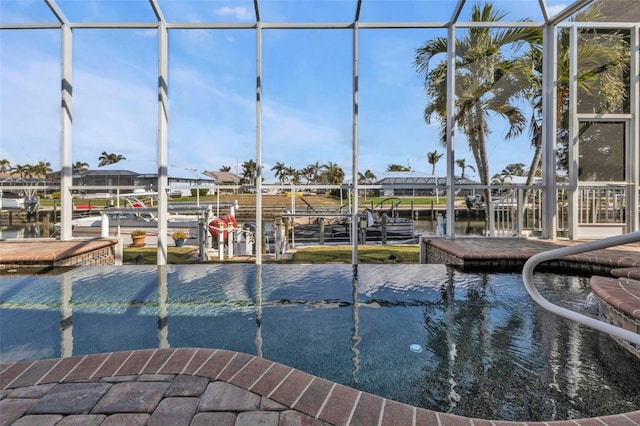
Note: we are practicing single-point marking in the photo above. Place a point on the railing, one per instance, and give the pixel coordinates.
(527, 277)
(505, 219)
(519, 211)
(601, 204)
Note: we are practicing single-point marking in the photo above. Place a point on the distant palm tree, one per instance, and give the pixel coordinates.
(41, 169)
(249, 169)
(24, 170)
(367, 177)
(462, 163)
(79, 167)
(500, 179)
(332, 174)
(397, 168)
(106, 159)
(307, 173)
(292, 175)
(314, 172)
(514, 169)
(225, 169)
(280, 172)
(5, 165)
(433, 158)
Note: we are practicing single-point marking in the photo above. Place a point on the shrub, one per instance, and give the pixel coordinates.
(202, 192)
(179, 235)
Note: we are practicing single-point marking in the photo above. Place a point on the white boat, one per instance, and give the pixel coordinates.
(127, 212)
(12, 201)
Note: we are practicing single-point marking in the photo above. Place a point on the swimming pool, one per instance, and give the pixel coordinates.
(471, 344)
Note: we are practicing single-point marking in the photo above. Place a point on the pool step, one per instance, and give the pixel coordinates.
(619, 301)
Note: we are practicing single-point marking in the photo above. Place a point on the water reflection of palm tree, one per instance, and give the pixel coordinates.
(475, 354)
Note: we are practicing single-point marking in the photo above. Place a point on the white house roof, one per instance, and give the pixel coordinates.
(151, 168)
(415, 178)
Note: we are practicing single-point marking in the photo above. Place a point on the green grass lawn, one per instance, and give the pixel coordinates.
(366, 254)
(309, 255)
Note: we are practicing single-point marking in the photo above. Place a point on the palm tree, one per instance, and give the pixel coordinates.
(313, 173)
(225, 169)
(500, 179)
(249, 169)
(292, 175)
(603, 67)
(307, 173)
(41, 169)
(397, 168)
(5, 165)
(462, 163)
(486, 80)
(366, 178)
(106, 159)
(79, 167)
(24, 170)
(332, 174)
(433, 158)
(280, 173)
(603, 73)
(514, 169)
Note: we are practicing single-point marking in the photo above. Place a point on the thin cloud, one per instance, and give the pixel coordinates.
(29, 107)
(239, 12)
(554, 10)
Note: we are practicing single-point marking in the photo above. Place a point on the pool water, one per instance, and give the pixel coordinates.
(472, 344)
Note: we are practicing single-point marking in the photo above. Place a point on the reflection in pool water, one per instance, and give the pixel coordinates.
(486, 350)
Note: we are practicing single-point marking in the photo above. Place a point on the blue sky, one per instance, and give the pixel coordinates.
(307, 103)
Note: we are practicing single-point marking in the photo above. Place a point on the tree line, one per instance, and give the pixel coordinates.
(325, 174)
(43, 168)
(26, 171)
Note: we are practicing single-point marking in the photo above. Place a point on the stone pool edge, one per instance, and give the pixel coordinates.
(293, 395)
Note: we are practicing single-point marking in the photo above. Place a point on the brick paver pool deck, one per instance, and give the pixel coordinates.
(198, 386)
(203, 387)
